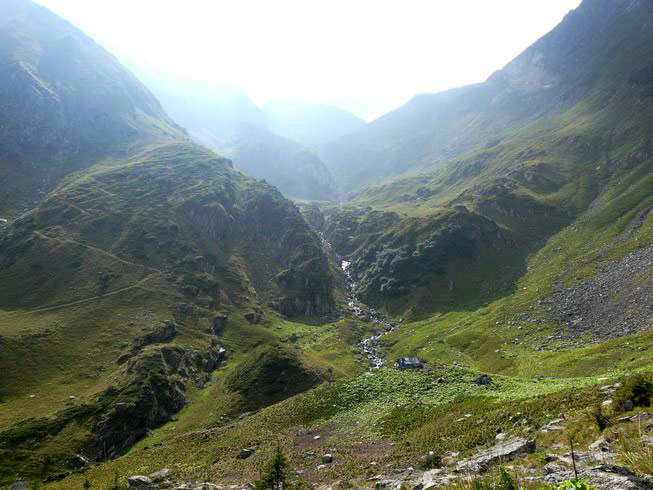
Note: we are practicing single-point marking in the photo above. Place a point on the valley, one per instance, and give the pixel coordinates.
(191, 284)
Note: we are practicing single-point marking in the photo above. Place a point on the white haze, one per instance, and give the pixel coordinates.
(367, 56)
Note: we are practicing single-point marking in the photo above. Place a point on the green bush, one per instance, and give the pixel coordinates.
(430, 461)
(602, 420)
(635, 392)
(275, 475)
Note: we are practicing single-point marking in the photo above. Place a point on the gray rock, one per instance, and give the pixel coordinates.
(599, 446)
(552, 467)
(161, 474)
(246, 452)
(327, 458)
(138, 481)
(80, 461)
(647, 441)
(641, 417)
(503, 451)
(20, 485)
(606, 477)
(435, 478)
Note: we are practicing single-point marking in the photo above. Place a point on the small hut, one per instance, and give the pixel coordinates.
(409, 363)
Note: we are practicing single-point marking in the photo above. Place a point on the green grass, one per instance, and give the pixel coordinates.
(440, 409)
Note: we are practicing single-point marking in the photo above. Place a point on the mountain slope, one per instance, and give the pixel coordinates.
(529, 183)
(312, 125)
(549, 78)
(296, 170)
(228, 122)
(145, 257)
(57, 114)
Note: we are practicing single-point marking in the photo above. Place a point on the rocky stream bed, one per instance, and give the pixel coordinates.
(369, 346)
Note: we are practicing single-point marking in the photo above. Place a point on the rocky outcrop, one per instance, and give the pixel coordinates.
(605, 477)
(270, 227)
(392, 257)
(161, 334)
(152, 396)
(504, 451)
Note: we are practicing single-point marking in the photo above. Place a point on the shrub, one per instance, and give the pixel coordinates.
(601, 419)
(430, 461)
(275, 474)
(504, 482)
(635, 392)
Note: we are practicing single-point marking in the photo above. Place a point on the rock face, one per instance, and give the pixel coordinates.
(504, 451)
(303, 285)
(162, 334)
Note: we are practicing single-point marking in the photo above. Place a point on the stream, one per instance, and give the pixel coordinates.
(369, 346)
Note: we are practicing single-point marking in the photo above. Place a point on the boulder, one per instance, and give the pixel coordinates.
(647, 441)
(599, 446)
(138, 481)
(246, 452)
(79, 461)
(641, 417)
(606, 477)
(503, 451)
(20, 485)
(327, 458)
(162, 334)
(435, 478)
(161, 474)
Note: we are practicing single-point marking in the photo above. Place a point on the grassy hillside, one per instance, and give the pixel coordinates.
(171, 235)
(158, 308)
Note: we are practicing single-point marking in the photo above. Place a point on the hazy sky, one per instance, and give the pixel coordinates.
(365, 55)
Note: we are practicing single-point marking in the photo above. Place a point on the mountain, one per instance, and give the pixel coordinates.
(296, 170)
(55, 120)
(555, 74)
(145, 261)
(504, 166)
(164, 317)
(227, 121)
(312, 125)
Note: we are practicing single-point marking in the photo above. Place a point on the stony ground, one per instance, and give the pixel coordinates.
(616, 301)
